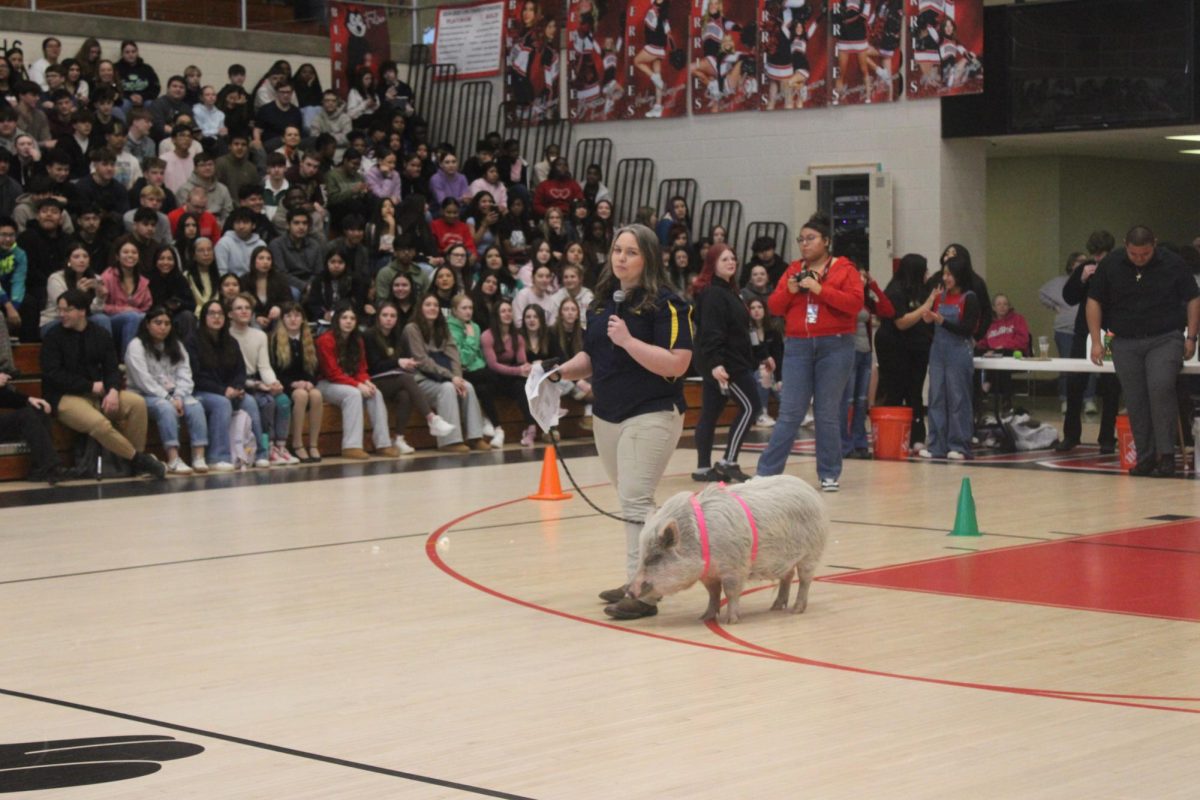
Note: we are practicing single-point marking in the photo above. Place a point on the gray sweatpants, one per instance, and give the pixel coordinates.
(635, 453)
(1148, 369)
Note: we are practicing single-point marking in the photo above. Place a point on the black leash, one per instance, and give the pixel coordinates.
(556, 439)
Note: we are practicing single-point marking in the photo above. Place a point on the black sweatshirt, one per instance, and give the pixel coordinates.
(722, 331)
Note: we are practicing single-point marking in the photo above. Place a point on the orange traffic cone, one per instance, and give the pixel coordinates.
(550, 488)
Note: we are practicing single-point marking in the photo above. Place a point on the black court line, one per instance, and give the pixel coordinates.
(287, 751)
(968, 549)
(839, 566)
(1172, 517)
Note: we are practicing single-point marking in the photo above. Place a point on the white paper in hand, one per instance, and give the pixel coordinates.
(544, 396)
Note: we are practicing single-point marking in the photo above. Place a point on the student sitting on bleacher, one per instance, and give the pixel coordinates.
(346, 384)
(157, 367)
(81, 381)
(27, 421)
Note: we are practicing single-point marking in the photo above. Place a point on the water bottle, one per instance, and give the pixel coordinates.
(264, 443)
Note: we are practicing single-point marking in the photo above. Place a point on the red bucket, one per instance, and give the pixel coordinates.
(892, 426)
(1125, 444)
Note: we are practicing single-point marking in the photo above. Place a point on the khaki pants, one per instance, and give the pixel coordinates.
(635, 455)
(83, 414)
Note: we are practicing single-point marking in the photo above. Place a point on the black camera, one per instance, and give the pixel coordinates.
(806, 273)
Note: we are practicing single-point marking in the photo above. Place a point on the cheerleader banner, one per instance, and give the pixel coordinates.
(724, 66)
(595, 61)
(867, 56)
(471, 37)
(358, 40)
(656, 33)
(945, 47)
(531, 67)
(794, 53)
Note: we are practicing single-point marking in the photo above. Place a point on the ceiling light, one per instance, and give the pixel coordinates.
(1191, 152)
(1190, 137)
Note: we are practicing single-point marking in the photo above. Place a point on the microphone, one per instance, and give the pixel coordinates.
(619, 297)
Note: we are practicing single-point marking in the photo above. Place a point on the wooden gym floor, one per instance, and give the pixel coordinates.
(416, 629)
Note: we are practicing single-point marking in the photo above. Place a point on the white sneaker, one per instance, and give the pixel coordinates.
(262, 463)
(176, 467)
(954, 455)
(529, 436)
(497, 438)
(488, 428)
(714, 91)
(404, 447)
(222, 466)
(1089, 407)
(290, 460)
(917, 447)
(439, 427)
(809, 421)
(829, 485)
(199, 465)
(764, 421)
(654, 112)
(924, 453)
(1063, 408)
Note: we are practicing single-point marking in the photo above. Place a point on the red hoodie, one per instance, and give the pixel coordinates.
(556, 193)
(837, 305)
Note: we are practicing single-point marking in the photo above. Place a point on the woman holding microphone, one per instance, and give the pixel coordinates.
(637, 346)
(819, 298)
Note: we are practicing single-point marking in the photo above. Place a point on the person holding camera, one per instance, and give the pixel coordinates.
(819, 298)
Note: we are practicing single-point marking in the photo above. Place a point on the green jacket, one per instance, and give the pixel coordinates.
(470, 349)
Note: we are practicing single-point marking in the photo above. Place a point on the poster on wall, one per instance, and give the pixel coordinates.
(595, 61)
(794, 54)
(531, 68)
(471, 37)
(945, 48)
(867, 53)
(724, 69)
(656, 32)
(358, 42)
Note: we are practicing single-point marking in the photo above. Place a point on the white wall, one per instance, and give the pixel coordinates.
(171, 59)
(753, 157)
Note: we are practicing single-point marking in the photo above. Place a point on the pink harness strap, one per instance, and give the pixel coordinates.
(705, 553)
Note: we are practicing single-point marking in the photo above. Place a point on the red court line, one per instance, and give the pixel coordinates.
(758, 651)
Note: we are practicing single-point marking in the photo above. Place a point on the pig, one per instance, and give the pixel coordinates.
(792, 528)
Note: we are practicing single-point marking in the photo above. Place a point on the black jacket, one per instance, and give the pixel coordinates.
(722, 331)
(216, 378)
(74, 360)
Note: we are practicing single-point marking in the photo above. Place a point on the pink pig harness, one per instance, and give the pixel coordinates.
(703, 526)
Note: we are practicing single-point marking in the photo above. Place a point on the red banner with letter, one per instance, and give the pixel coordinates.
(945, 47)
(656, 35)
(867, 52)
(358, 40)
(724, 56)
(794, 54)
(596, 61)
(531, 68)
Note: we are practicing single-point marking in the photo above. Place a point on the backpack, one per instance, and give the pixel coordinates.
(241, 440)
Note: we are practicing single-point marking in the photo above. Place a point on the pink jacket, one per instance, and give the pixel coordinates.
(1009, 332)
(505, 362)
(117, 300)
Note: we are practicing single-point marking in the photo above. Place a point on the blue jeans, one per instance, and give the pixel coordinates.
(854, 431)
(124, 328)
(219, 410)
(162, 411)
(951, 415)
(275, 413)
(814, 370)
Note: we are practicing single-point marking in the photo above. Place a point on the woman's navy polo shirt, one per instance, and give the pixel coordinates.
(622, 387)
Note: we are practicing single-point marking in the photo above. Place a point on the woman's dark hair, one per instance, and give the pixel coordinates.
(570, 341)
(543, 328)
(433, 287)
(820, 223)
(348, 347)
(183, 245)
(171, 346)
(217, 349)
(502, 274)
(499, 329)
(391, 340)
(960, 268)
(473, 209)
(959, 251)
(262, 248)
(436, 332)
(654, 274)
(72, 278)
(192, 269)
(910, 274)
(709, 270)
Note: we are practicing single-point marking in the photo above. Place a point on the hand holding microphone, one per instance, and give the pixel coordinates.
(618, 331)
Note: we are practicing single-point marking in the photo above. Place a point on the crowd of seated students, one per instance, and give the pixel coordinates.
(344, 255)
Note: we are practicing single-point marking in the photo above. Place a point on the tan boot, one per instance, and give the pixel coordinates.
(480, 444)
(388, 452)
(455, 448)
(355, 454)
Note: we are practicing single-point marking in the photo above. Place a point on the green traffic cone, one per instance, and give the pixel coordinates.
(964, 521)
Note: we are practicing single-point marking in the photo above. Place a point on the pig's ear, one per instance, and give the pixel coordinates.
(668, 535)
